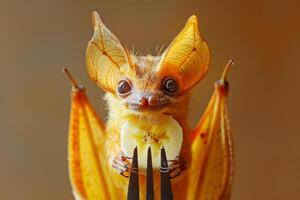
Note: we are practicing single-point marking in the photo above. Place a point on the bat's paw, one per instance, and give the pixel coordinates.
(176, 167)
(122, 165)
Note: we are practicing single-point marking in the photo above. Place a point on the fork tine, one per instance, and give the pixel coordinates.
(133, 187)
(149, 189)
(166, 189)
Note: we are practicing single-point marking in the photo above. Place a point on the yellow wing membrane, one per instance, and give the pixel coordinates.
(212, 156)
(187, 57)
(87, 164)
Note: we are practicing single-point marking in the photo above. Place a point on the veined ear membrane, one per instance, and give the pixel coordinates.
(106, 58)
(187, 57)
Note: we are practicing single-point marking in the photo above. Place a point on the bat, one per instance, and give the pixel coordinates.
(147, 99)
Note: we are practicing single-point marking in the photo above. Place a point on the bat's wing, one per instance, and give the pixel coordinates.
(86, 157)
(212, 157)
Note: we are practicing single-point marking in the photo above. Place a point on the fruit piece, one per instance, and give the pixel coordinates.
(166, 132)
(212, 156)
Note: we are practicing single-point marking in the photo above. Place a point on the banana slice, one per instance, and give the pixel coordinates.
(166, 133)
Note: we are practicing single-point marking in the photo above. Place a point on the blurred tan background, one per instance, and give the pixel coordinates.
(37, 38)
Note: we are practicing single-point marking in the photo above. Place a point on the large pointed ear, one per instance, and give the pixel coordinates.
(107, 60)
(187, 57)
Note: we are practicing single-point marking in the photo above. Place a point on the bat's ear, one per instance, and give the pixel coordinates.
(187, 57)
(107, 60)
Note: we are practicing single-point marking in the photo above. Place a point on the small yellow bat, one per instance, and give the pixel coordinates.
(148, 99)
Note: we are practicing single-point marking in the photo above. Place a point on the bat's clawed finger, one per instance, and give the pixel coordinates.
(123, 170)
(126, 157)
(176, 167)
(122, 165)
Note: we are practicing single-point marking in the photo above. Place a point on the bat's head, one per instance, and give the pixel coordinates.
(147, 83)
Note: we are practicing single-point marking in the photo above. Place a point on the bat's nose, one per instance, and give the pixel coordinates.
(154, 99)
(151, 100)
(143, 102)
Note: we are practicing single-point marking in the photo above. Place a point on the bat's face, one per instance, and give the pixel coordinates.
(148, 83)
(146, 91)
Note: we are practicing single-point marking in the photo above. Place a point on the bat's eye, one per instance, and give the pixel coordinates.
(170, 86)
(124, 87)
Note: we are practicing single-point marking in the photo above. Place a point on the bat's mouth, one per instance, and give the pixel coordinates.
(140, 108)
